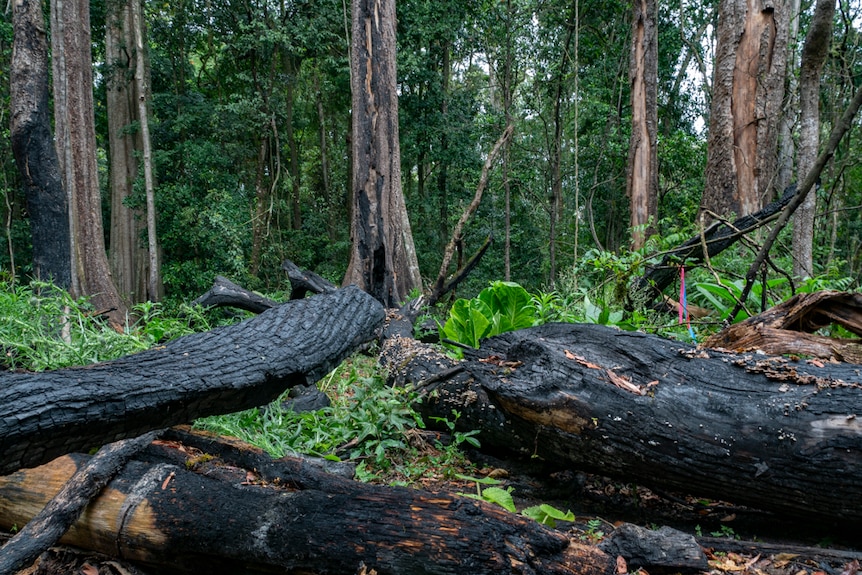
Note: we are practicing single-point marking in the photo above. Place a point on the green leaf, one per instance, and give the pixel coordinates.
(469, 321)
(500, 496)
(513, 304)
(547, 514)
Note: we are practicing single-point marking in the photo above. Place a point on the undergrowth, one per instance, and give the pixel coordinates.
(45, 328)
(369, 422)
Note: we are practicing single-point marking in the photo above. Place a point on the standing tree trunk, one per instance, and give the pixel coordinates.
(790, 115)
(155, 289)
(76, 144)
(748, 88)
(813, 56)
(128, 257)
(33, 145)
(383, 257)
(642, 180)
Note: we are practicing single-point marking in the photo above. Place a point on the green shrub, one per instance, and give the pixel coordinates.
(501, 307)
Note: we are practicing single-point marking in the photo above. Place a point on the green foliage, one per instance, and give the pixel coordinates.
(542, 513)
(459, 437)
(367, 422)
(491, 494)
(501, 307)
(45, 328)
(724, 295)
(547, 514)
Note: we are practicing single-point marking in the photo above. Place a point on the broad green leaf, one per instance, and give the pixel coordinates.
(499, 496)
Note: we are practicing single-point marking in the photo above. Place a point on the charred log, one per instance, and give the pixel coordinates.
(291, 516)
(46, 528)
(44, 415)
(773, 433)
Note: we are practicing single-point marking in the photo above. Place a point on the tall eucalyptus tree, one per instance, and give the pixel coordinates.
(33, 146)
(135, 265)
(747, 98)
(642, 179)
(76, 143)
(814, 52)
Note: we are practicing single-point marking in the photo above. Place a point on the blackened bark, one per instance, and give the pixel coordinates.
(44, 415)
(290, 516)
(777, 434)
(383, 257)
(46, 528)
(33, 146)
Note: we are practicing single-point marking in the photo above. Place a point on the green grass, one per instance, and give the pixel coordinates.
(369, 422)
(45, 328)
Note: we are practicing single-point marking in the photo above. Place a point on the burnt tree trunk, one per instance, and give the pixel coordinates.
(769, 432)
(45, 415)
(33, 146)
(240, 511)
(382, 257)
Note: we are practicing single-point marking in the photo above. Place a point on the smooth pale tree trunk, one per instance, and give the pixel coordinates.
(748, 89)
(33, 145)
(128, 257)
(383, 258)
(642, 180)
(155, 289)
(556, 197)
(786, 143)
(813, 57)
(76, 145)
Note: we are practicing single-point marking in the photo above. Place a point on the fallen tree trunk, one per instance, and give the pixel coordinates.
(291, 516)
(789, 327)
(45, 529)
(44, 415)
(769, 432)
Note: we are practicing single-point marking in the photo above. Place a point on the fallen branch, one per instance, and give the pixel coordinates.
(290, 516)
(437, 290)
(44, 415)
(49, 525)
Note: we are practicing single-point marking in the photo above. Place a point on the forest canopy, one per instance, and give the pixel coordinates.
(249, 119)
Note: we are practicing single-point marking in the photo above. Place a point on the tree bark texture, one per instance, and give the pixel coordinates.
(748, 89)
(814, 54)
(33, 146)
(128, 257)
(769, 432)
(790, 328)
(76, 144)
(45, 528)
(289, 516)
(383, 258)
(44, 415)
(642, 180)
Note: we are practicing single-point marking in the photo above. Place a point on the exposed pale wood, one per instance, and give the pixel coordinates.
(788, 328)
(289, 516)
(55, 518)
